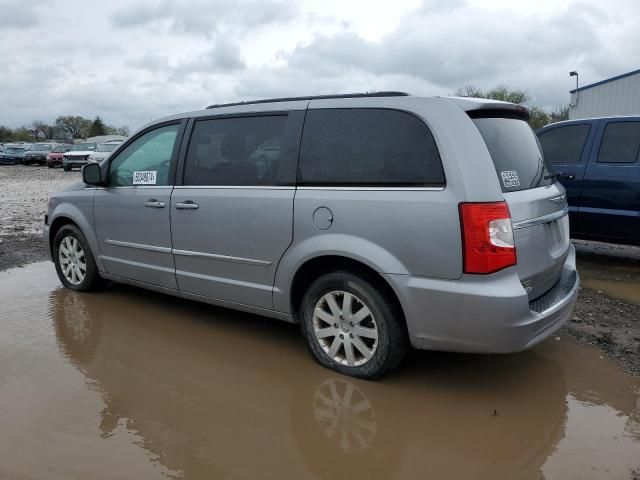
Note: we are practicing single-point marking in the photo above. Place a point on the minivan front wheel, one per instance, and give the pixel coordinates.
(352, 326)
(74, 261)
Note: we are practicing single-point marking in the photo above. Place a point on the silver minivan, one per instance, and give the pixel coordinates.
(377, 221)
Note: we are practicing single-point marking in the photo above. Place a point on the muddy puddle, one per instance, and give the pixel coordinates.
(615, 276)
(130, 384)
(628, 291)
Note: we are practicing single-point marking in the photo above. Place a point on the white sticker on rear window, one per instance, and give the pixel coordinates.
(144, 178)
(510, 178)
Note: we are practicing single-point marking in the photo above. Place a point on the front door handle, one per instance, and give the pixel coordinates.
(153, 203)
(187, 205)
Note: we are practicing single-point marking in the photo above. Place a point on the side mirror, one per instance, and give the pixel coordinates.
(91, 174)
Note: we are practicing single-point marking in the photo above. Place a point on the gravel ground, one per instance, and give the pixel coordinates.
(607, 314)
(24, 194)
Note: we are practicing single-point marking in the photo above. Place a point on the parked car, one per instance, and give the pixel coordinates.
(12, 154)
(77, 155)
(37, 153)
(103, 150)
(389, 220)
(597, 162)
(54, 158)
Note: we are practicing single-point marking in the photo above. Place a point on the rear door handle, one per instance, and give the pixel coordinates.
(153, 203)
(187, 205)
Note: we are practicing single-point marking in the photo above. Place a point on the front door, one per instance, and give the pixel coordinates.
(231, 220)
(131, 213)
(610, 202)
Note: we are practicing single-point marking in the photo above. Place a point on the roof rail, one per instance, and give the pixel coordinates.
(313, 97)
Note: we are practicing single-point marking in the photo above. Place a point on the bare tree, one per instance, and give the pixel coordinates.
(39, 130)
(559, 114)
(74, 126)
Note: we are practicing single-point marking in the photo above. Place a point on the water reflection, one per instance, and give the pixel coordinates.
(213, 391)
(149, 386)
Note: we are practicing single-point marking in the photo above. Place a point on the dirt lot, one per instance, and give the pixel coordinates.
(23, 203)
(607, 314)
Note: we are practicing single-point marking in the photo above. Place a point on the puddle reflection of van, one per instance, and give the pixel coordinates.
(598, 162)
(387, 221)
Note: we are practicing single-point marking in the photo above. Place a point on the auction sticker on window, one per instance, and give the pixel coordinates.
(144, 178)
(510, 178)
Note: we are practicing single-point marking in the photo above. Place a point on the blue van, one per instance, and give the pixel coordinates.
(597, 161)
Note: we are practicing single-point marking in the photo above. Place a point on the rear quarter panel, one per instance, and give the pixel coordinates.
(396, 231)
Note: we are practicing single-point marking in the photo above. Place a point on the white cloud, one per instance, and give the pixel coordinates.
(136, 61)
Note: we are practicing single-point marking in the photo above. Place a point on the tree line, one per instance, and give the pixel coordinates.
(65, 128)
(538, 118)
(70, 127)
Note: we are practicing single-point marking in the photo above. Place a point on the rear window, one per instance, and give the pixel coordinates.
(564, 145)
(516, 153)
(620, 143)
(368, 147)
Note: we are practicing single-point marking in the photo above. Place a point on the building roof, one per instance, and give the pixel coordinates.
(617, 77)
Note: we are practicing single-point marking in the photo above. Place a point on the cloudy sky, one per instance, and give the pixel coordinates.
(134, 60)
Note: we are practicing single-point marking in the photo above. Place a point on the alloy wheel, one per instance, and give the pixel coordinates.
(345, 328)
(72, 260)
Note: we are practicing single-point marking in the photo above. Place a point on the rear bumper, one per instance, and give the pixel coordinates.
(486, 314)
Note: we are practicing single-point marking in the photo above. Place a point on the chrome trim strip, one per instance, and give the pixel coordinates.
(558, 199)
(234, 187)
(223, 258)
(540, 220)
(376, 189)
(129, 187)
(139, 246)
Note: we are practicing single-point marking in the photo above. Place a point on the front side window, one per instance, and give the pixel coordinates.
(145, 161)
(620, 143)
(564, 145)
(235, 151)
(368, 147)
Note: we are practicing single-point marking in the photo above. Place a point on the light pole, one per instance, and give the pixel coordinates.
(574, 73)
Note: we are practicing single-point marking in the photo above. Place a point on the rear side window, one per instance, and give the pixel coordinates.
(241, 151)
(516, 153)
(564, 145)
(620, 143)
(368, 147)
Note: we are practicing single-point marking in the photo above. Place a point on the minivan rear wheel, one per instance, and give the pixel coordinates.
(75, 265)
(352, 326)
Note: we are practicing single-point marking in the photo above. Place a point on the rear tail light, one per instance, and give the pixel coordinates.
(487, 237)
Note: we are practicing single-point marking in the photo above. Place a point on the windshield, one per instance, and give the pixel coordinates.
(107, 147)
(516, 153)
(79, 147)
(41, 148)
(14, 149)
(61, 149)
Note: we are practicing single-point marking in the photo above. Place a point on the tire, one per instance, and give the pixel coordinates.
(380, 331)
(66, 168)
(70, 239)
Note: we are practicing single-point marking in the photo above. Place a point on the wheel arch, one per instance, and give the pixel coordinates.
(67, 214)
(319, 265)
